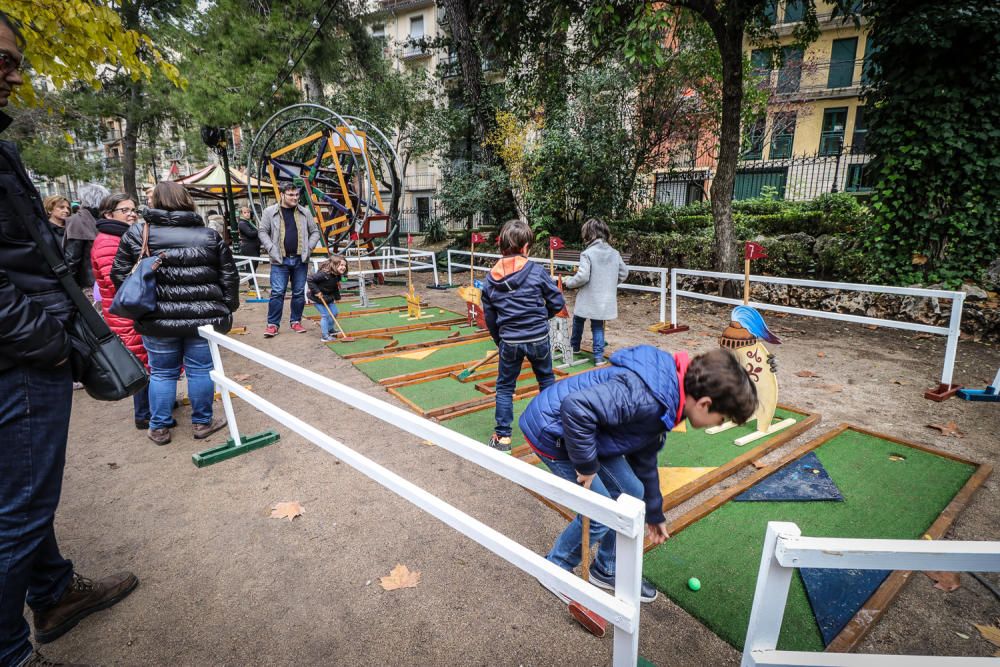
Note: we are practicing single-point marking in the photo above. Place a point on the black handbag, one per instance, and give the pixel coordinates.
(100, 360)
(136, 296)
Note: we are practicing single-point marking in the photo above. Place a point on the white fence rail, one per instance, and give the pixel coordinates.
(658, 270)
(625, 516)
(785, 549)
(392, 261)
(952, 331)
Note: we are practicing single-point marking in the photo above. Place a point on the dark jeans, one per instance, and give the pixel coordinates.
(140, 404)
(34, 423)
(596, 331)
(291, 268)
(511, 357)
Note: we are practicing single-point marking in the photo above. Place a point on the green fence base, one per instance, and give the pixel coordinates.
(230, 449)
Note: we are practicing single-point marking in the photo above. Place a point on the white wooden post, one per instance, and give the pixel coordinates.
(673, 297)
(628, 580)
(450, 281)
(954, 331)
(227, 402)
(771, 594)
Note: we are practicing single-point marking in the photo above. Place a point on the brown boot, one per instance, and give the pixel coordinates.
(202, 431)
(82, 598)
(161, 436)
(38, 660)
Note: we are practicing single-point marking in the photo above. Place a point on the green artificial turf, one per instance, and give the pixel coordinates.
(345, 307)
(479, 425)
(697, 449)
(439, 393)
(445, 356)
(403, 338)
(394, 318)
(883, 499)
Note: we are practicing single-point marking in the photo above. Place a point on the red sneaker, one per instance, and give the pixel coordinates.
(297, 327)
(271, 330)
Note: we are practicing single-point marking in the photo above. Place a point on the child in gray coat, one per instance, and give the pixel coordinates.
(601, 269)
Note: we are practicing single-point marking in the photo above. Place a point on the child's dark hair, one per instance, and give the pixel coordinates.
(594, 229)
(514, 235)
(331, 263)
(718, 375)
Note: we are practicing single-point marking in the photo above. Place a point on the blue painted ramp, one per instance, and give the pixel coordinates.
(804, 479)
(836, 595)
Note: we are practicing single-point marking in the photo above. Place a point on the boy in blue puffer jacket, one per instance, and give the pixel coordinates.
(518, 300)
(607, 427)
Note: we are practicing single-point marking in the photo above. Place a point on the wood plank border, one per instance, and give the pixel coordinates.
(405, 327)
(389, 350)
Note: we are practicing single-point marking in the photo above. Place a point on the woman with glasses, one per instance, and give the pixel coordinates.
(117, 214)
(196, 284)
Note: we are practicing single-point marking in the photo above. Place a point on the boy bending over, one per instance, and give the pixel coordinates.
(607, 427)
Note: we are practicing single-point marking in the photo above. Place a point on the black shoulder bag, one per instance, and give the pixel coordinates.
(100, 360)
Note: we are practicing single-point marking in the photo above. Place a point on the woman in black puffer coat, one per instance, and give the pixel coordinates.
(197, 283)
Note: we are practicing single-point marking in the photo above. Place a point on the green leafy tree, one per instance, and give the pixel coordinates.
(934, 110)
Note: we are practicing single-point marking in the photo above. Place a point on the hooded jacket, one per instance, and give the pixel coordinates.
(102, 256)
(519, 299)
(197, 282)
(34, 307)
(623, 409)
(81, 230)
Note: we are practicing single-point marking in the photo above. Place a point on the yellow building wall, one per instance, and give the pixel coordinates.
(815, 98)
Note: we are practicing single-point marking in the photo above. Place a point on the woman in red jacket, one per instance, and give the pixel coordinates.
(118, 211)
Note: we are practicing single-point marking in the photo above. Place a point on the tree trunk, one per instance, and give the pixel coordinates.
(131, 139)
(460, 23)
(730, 44)
(314, 86)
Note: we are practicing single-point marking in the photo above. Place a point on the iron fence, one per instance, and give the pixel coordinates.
(843, 169)
(415, 220)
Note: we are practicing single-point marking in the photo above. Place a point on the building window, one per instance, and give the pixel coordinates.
(761, 63)
(417, 27)
(860, 132)
(859, 178)
(782, 135)
(867, 69)
(795, 10)
(832, 137)
(378, 31)
(842, 63)
(790, 74)
(771, 12)
(753, 142)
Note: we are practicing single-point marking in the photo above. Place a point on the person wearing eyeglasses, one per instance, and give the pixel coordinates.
(36, 397)
(81, 230)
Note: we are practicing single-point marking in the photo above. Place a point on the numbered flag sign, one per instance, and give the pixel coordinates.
(555, 243)
(754, 251)
(478, 238)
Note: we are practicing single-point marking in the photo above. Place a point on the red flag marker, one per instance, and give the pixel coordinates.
(754, 251)
(556, 243)
(478, 238)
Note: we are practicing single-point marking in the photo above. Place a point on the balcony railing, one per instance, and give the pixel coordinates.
(411, 51)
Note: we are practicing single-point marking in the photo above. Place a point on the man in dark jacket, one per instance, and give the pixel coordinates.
(34, 371)
(518, 301)
(605, 429)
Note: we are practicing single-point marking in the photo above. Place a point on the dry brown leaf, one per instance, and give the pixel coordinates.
(242, 377)
(962, 634)
(918, 259)
(239, 331)
(900, 383)
(400, 577)
(951, 428)
(990, 633)
(821, 354)
(807, 374)
(946, 581)
(870, 326)
(289, 510)
(832, 388)
(758, 464)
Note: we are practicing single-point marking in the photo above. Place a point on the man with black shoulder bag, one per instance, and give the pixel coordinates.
(36, 394)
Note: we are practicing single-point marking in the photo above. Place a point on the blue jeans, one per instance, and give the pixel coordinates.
(325, 321)
(34, 423)
(596, 331)
(295, 268)
(140, 404)
(166, 355)
(613, 479)
(511, 357)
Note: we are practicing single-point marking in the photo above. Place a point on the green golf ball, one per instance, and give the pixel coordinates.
(694, 584)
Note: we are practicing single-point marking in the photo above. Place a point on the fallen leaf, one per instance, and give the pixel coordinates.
(951, 428)
(807, 374)
(918, 259)
(821, 354)
(239, 331)
(113, 465)
(946, 581)
(896, 457)
(872, 327)
(900, 383)
(832, 388)
(990, 633)
(243, 377)
(758, 464)
(400, 577)
(289, 510)
(427, 442)
(962, 635)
